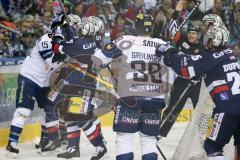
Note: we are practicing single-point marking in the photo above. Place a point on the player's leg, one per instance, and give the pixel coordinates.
(62, 131)
(24, 102)
(92, 129)
(125, 124)
(124, 146)
(148, 147)
(44, 135)
(150, 124)
(73, 138)
(222, 126)
(50, 118)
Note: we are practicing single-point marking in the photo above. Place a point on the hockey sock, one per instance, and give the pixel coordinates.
(150, 156)
(127, 156)
(148, 147)
(17, 124)
(124, 149)
(62, 130)
(52, 129)
(93, 132)
(73, 136)
(44, 134)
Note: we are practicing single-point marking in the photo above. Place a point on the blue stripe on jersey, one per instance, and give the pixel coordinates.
(46, 53)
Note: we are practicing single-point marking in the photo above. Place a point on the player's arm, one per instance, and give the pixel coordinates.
(109, 52)
(174, 22)
(44, 48)
(189, 66)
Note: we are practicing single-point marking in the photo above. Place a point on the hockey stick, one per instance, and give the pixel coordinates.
(165, 123)
(160, 151)
(67, 18)
(186, 19)
(105, 83)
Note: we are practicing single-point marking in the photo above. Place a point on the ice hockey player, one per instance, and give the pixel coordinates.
(182, 88)
(220, 69)
(33, 85)
(191, 89)
(140, 79)
(81, 50)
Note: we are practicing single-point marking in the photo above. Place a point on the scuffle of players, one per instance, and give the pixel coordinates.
(135, 110)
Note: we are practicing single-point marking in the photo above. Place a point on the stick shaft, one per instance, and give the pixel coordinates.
(109, 85)
(186, 19)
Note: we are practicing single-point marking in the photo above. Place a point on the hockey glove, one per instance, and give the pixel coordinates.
(58, 58)
(58, 21)
(164, 49)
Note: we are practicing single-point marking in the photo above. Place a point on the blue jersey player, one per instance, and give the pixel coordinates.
(80, 50)
(221, 72)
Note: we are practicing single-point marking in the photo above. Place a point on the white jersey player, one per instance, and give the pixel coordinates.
(141, 86)
(33, 84)
(38, 66)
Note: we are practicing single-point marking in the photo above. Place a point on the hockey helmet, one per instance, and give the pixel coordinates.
(218, 35)
(144, 23)
(194, 28)
(88, 28)
(98, 23)
(213, 20)
(75, 21)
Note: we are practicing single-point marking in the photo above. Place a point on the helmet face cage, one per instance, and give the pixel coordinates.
(98, 23)
(212, 20)
(144, 23)
(218, 35)
(88, 28)
(75, 21)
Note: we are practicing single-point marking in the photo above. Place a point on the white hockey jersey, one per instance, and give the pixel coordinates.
(138, 71)
(38, 66)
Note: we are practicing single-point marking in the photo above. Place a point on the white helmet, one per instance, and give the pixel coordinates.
(213, 19)
(75, 21)
(98, 23)
(88, 28)
(218, 35)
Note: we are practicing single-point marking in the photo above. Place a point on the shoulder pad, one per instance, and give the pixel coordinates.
(110, 50)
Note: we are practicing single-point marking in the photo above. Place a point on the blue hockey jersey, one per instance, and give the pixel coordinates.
(221, 72)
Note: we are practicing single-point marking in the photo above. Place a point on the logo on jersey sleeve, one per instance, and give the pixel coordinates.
(108, 47)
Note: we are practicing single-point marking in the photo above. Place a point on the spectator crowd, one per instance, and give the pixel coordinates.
(29, 19)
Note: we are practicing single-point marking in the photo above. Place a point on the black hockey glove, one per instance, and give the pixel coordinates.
(165, 50)
(58, 58)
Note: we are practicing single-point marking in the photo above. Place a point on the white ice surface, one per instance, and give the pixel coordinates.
(167, 145)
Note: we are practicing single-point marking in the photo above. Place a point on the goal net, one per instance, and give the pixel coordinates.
(191, 143)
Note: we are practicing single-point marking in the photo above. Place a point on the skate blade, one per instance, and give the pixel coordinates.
(53, 152)
(10, 155)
